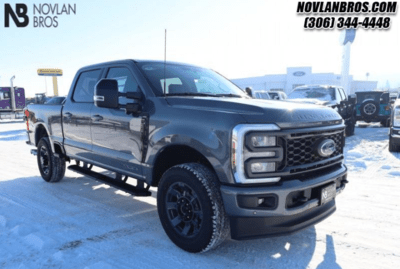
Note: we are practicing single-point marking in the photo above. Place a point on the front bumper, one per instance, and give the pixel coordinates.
(286, 216)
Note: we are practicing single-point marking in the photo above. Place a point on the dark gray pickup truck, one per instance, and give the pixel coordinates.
(224, 164)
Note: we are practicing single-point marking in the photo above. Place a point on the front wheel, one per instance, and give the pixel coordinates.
(52, 168)
(190, 207)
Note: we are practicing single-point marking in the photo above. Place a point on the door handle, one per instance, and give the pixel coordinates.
(67, 115)
(97, 118)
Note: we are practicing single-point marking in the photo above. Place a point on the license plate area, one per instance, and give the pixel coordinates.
(328, 193)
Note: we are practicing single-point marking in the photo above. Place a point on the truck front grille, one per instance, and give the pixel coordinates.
(301, 148)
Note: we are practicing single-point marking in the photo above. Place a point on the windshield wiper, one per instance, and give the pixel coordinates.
(190, 94)
(228, 95)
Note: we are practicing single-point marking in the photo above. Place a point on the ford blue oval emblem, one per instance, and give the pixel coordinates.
(299, 73)
(326, 148)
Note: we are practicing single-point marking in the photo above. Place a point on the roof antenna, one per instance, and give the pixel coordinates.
(165, 62)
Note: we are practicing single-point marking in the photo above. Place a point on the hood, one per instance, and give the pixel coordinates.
(284, 114)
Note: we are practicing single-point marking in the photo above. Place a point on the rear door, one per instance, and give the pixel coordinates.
(76, 115)
(116, 136)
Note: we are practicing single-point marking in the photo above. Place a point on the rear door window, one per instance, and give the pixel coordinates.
(84, 89)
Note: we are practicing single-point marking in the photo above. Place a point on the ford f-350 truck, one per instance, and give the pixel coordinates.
(224, 163)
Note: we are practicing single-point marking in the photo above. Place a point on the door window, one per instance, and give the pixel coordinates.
(341, 91)
(126, 82)
(84, 89)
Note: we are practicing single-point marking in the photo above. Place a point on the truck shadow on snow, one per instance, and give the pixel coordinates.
(124, 217)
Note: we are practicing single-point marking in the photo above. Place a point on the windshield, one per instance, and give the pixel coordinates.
(273, 95)
(322, 94)
(187, 80)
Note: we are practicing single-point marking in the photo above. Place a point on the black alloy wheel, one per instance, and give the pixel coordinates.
(51, 167)
(184, 210)
(44, 160)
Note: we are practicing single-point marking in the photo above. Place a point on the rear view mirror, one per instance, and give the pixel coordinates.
(106, 93)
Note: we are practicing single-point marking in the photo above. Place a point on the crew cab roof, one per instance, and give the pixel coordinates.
(130, 61)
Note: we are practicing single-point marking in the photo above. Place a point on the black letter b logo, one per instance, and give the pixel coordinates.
(21, 9)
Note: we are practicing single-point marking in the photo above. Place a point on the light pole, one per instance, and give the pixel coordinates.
(346, 39)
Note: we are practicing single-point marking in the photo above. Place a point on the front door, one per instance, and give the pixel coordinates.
(116, 137)
(76, 116)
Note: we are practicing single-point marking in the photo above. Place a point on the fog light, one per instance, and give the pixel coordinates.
(263, 141)
(262, 167)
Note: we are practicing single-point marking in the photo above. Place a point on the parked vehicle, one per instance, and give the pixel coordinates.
(12, 102)
(373, 106)
(223, 162)
(261, 95)
(393, 96)
(257, 94)
(332, 96)
(394, 134)
(277, 95)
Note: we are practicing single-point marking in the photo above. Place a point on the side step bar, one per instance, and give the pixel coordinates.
(134, 190)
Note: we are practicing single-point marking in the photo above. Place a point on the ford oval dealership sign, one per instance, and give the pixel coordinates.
(299, 74)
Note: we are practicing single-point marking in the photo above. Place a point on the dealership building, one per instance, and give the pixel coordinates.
(299, 76)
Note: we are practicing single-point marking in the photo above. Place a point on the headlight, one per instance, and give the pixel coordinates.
(396, 117)
(259, 141)
(255, 151)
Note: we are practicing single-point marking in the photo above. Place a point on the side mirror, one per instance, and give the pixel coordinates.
(249, 91)
(353, 98)
(106, 93)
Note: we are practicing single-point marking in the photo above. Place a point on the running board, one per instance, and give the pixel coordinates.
(137, 191)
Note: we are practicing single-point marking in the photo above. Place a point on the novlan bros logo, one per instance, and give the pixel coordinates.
(21, 10)
(43, 14)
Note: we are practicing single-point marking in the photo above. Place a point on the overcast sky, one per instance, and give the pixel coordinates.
(237, 38)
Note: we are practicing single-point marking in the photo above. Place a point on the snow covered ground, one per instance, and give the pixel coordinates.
(80, 223)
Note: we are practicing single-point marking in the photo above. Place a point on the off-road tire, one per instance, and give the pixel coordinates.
(392, 146)
(201, 185)
(369, 109)
(52, 168)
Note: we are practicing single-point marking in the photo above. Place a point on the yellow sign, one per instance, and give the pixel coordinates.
(49, 72)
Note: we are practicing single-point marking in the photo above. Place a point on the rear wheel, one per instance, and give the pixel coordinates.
(52, 168)
(190, 207)
(369, 109)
